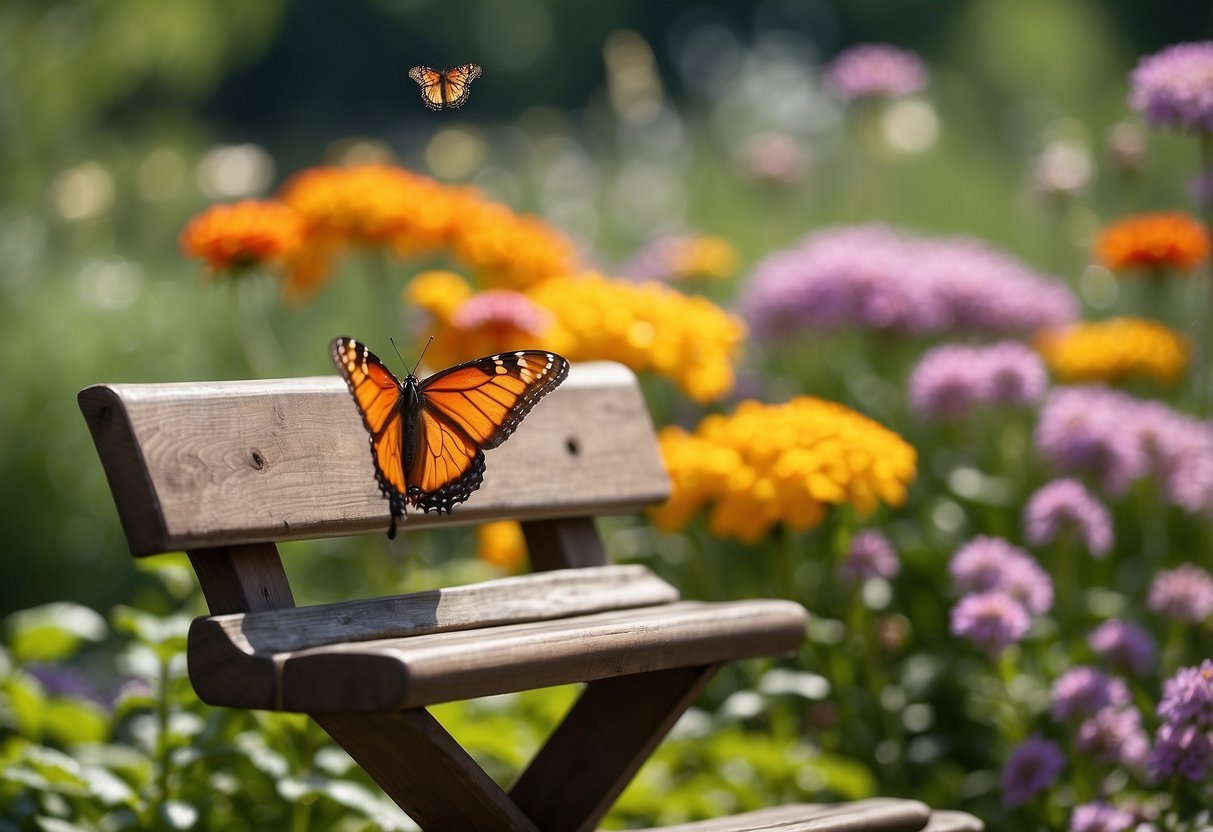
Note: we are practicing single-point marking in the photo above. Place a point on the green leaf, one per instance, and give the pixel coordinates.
(165, 632)
(53, 632)
(57, 825)
(75, 720)
(177, 814)
(26, 704)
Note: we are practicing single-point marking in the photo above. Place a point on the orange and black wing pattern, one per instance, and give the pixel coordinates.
(468, 409)
(445, 88)
(377, 394)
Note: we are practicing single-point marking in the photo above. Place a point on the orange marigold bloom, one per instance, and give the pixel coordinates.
(502, 544)
(243, 234)
(508, 250)
(1152, 242)
(1110, 350)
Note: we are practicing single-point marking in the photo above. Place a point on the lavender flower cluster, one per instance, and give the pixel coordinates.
(951, 380)
(876, 277)
(1004, 587)
(1065, 507)
(1174, 87)
(1117, 439)
(1184, 742)
(875, 70)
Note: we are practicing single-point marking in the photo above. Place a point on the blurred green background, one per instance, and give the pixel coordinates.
(119, 119)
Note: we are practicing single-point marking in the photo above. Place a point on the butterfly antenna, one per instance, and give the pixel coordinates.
(427, 346)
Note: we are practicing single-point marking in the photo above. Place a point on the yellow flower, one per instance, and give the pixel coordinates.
(782, 464)
(243, 234)
(438, 292)
(1153, 241)
(1113, 349)
(647, 326)
(685, 257)
(502, 544)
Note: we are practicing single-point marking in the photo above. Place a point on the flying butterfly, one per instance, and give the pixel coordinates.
(428, 438)
(445, 87)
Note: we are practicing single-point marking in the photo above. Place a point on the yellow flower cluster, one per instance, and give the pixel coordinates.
(703, 256)
(647, 326)
(786, 463)
(406, 214)
(1110, 350)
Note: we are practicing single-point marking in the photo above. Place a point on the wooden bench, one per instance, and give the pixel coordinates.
(225, 470)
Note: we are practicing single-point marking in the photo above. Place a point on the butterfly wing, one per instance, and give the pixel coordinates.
(377, 394)
(470, 408)
(431, 82)
(457, 84)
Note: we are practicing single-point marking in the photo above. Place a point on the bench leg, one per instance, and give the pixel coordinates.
(585, 764)
(421, 767)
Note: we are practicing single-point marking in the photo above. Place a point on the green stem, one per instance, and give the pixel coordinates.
(263, 355)
(162, 747)
(1202, 369)
(386, 301)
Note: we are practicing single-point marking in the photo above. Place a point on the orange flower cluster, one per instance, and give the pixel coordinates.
(248, 233)
(647, 326)
(1110, 350)
(406, 214)
(1153, 242)
(782, 464)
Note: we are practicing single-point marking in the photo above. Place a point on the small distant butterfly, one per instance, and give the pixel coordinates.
(447, 87)
(428, 438)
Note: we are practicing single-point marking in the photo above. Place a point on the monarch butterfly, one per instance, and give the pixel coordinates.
(447, 87)
(428, 438)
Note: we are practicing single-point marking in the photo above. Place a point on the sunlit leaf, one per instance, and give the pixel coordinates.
(177, 814)
(26, 704)
(53, 632)
(75, 720)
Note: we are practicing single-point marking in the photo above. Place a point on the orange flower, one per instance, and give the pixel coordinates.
(1153, 242)
(243, 234)
(502, 544)
(508, 250)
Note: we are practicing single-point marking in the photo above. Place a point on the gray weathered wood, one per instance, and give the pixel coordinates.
(563, 543)
(418, 764)
(441, 667)
(238, 579)
(591, 765)
(949, 821)
(876, 814)
(208, 464)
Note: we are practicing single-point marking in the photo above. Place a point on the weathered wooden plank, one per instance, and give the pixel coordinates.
(591, 765)
(417, 763)
(949, 821)
(238, 579)
(208, 464)
(563, 543)
(441, 667)
(876, 814)
(547, 595)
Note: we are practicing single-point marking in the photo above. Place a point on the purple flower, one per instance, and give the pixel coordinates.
(1099, 817)
(1016, 372)
(870, 556)
(1184, 593)
(1181, 749)
(946, 383)
(1031, 768)
(67, 681)
(1092, 430)
(1083, 691)
(875, 70)
(991, 620)
(1114, 735)
(1187, 697)
(1180, 453)
(991, 563)
(875, 277)
(1127, 646)
(1174, 87)
(1064, 506)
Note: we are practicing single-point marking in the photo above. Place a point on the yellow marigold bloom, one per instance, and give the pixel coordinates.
(243, 234)
(782, 464)
(647, 326)
(1152, 242)
(502, 544)
(685, 257)
(508, 250)
(1110, 350)
(438, 292)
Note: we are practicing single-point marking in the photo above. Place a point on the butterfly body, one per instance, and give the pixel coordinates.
(445, 88)
(428, 438)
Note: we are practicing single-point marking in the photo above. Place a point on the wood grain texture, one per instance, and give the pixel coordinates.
(421, 767)
(442, 667)
(563, 543)
(237, 579)
(593, 765)
(949, 821)
(876, 814)
(207, 464)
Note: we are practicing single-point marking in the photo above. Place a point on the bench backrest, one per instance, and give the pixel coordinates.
(208, 465)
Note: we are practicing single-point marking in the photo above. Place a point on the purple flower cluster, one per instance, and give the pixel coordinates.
(991, 563)
(1065, 507)
(1114, 735)
(1125, 645)
(993, 621)
(1183, 594)
(951, 380)
(1117, 438)
(871, 556)
(875, 70)
(1174, 87)
(1100, 817)
(1184, 743)
(1081, 692)
(876, 277)
(1031, 768)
